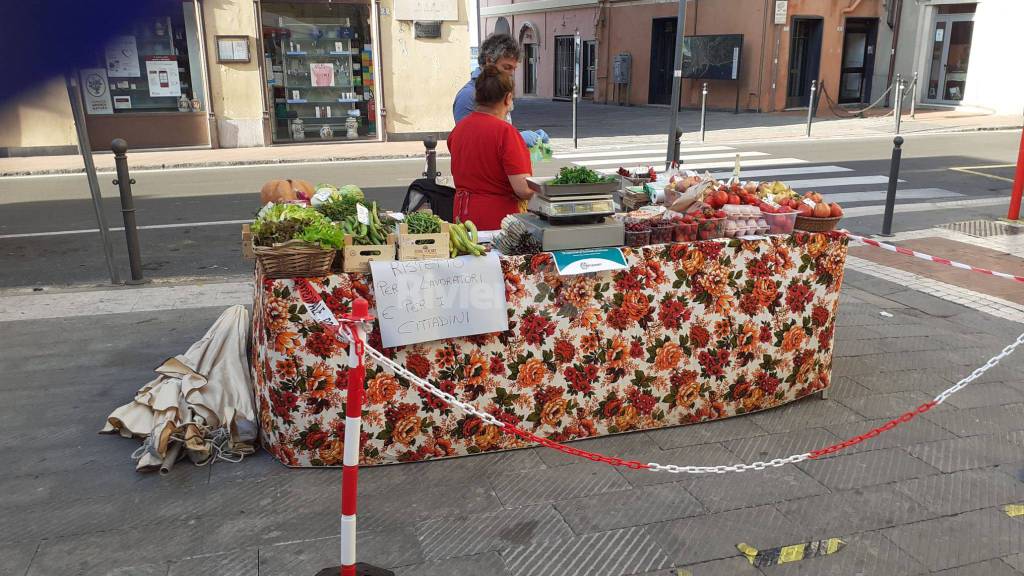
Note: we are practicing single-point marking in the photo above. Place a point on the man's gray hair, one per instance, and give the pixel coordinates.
(496, 47)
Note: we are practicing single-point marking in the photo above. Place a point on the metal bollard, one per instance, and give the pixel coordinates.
(677, 147)
(131, 232)
(897, 106)
(894, 175)
(810, 106)
(431, 173)
(703, 108)
(913, 96)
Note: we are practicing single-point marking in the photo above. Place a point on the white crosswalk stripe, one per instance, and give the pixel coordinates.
(842, 184)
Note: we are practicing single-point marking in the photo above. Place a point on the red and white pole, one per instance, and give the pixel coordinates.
(353, 425)
(1018, 183)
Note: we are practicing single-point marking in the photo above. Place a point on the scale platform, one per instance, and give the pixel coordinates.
(569, 209)
(555, 236)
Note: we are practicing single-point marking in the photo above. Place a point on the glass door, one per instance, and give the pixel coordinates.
(950, 55)
(564, 61)
(530, 72)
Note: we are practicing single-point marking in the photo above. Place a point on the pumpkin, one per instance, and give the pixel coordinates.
(286, 191)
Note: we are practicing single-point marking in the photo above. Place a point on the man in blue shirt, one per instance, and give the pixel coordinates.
(500, 50)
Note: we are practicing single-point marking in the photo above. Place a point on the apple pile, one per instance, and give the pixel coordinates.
(812, 205)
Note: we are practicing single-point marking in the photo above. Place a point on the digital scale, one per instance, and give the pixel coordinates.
(572, 209)
(558, 235)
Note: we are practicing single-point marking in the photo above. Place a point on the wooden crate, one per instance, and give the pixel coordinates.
(247, 251)
(358, 258)
(423, 246)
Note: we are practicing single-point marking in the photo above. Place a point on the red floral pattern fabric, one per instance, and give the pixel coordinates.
(689, 332)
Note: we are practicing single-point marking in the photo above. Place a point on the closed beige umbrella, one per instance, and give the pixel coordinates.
(200, 402)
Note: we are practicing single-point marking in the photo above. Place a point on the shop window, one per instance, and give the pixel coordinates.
(154, 66)
(319, 67)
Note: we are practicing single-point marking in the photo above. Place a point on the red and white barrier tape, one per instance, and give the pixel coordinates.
(327, 320)
(930, 258)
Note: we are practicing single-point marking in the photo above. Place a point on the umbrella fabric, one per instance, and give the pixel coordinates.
(194, 394)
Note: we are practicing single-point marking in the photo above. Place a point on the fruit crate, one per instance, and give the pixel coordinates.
(357, 259)
(423, 246)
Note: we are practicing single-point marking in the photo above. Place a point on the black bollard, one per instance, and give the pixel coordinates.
(677, 147)
(431, 173)
(894, 175)
(124, 184)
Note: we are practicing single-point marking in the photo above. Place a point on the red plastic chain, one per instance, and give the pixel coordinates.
(531, 437)
(903, 418)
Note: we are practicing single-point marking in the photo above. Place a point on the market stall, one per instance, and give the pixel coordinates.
(684, 332)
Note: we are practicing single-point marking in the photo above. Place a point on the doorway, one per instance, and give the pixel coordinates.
(859, 37)
(663, 45)
(951, 51)
(565, 60)
(804, 60)
(589, 68)
(530, 70)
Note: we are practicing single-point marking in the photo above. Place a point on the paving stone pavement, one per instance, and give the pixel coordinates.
(924, 499)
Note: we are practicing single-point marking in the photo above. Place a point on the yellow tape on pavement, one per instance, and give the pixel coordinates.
(1014, 510)
(792, 553)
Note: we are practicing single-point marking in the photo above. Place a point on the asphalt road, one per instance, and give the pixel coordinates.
(190, 227)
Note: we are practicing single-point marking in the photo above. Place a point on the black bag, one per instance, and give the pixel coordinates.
(425, 193)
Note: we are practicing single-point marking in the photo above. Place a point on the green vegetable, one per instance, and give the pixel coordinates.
(580, 175)
(325, 234)
(423, 223)
(352, 190)
(279, 223)
(340, 207)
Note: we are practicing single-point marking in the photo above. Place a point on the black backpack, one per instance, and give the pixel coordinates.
(425, 193)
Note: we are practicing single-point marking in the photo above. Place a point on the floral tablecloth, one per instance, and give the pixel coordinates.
(689, 332)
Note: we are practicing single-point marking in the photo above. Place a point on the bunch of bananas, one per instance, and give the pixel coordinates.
(373, 234)
(464, 239)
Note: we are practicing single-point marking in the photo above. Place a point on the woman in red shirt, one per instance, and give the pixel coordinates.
(490, 161)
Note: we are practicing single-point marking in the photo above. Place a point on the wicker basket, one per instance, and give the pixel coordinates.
(294, 259)
(808, 224)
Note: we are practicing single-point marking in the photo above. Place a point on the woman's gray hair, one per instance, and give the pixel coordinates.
(496, 47)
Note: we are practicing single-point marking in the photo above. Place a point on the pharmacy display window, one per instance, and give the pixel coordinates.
(152, 66)
(319, 71)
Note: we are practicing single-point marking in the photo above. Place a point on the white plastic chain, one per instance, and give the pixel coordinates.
(398, 370)
(981, 370)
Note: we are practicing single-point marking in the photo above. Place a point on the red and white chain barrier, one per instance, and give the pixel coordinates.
(930, 258)
(323, 315)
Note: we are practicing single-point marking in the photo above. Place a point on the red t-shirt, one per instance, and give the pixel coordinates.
(485, 151)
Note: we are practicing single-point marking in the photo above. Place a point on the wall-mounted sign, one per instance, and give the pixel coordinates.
(426, 10)
(122, 57)
(96, 91)
(233, 49)
(162, 73)
(122, 102)
(781, 9)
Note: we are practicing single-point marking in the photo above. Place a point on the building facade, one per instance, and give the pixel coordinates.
(239, 73)
(851, 49)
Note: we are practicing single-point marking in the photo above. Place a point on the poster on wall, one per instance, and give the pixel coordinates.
(96, 91)
(162, 72)
(122, 57)
(321, 74)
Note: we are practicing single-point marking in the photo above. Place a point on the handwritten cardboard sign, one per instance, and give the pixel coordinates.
(424, 300)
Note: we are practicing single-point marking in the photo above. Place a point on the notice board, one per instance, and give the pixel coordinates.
(712, 57)
(425, 300)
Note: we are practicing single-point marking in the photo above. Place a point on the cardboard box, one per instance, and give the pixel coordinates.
(247, 251)
(423, 246)
(358, 258)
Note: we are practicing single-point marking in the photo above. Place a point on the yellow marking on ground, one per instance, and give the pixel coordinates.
(1014, 510)
(974, 170)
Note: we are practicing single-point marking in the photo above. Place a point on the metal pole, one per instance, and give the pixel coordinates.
(678, 147)
(677, 78)
(810, 106)
(1018, 183)
(90, 173)
(575, 87)
(703, 108)
(431, 173)
(913, 97)
(890, 195)
(124, 184)
(897, 106)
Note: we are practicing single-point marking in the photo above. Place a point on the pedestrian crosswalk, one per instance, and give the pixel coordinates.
(843, 184)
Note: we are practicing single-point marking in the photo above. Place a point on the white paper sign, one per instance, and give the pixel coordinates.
(321, 74)
(426, 10)
(781, 7)
(96, 91)
(122, 57)
(162, 73)
(424, 300)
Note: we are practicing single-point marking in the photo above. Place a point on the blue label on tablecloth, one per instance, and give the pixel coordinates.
(570, 262)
